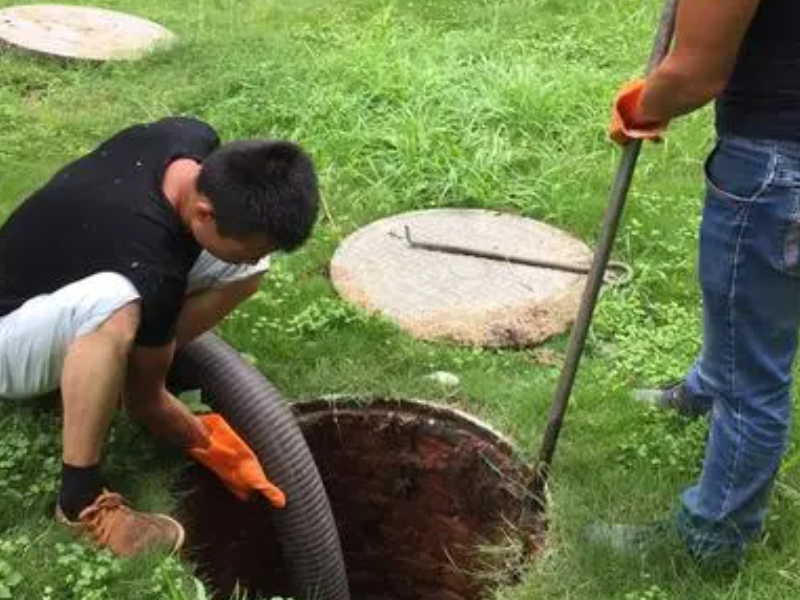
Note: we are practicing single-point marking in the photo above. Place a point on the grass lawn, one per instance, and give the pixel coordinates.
(497, 104)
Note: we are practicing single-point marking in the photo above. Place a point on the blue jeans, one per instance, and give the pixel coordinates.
(750, 278)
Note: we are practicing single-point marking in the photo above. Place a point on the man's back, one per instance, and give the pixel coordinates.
(106, 212)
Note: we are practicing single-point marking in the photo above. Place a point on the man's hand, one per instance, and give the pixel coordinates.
(208, 439)
(227, 455)
(626, 122)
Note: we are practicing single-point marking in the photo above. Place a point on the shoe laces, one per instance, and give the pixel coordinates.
(102, 516)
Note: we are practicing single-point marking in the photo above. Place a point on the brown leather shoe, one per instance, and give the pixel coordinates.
(126, 532)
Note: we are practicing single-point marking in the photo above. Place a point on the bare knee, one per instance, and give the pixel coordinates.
(241, 290)
(120, 328)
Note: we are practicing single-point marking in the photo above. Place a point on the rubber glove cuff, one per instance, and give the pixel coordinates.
(624, 127)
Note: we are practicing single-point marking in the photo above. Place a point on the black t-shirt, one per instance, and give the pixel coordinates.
(762, 98)
(107, 212)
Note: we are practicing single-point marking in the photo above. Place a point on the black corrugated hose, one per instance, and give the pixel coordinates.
(255, 409)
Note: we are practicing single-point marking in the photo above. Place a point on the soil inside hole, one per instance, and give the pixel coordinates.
(429, 502)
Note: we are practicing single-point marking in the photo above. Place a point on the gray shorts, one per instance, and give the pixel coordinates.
(34, 338)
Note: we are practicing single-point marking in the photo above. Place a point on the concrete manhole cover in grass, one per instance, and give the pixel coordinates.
(80, 32)
(465, 299)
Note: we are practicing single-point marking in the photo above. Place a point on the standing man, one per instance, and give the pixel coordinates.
(123, 256)
(746, 55)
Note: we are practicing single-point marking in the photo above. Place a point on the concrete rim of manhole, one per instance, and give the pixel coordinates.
(463, 299)
(80, 32)
(421, 405)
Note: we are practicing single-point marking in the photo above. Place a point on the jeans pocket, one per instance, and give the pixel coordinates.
(739, 171)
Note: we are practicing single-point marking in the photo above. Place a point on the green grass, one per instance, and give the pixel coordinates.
(406, 105)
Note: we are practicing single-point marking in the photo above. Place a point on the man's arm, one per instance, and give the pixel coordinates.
(708, 35)
(148, 400)
(216, 446)
(204, 310)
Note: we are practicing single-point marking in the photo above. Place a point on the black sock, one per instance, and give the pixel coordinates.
(79, 487)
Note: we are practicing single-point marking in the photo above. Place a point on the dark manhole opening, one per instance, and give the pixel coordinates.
(430, 504)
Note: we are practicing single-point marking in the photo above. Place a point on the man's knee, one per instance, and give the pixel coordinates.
(122, 325)
(36, 338)
(244, 288)
(104, 300)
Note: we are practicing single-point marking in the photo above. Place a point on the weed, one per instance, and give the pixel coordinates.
(10, 577)
(664, 441)
(29, 463)
(497, 104)
(649, 342)
(323, 314)
(654, 592)
(87, 572)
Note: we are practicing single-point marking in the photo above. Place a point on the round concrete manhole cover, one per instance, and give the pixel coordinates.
(80, 32)
(465, 299)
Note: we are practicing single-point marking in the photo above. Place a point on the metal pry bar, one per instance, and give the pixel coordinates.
(626, 273)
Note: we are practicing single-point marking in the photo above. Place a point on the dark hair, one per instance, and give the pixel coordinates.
(262, 186)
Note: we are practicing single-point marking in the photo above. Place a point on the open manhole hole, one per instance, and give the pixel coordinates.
(430, 504)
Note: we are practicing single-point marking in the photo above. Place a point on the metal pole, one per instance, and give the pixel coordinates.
(624, 276)
(577, 341)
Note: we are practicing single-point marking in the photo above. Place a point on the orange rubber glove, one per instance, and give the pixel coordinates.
(623, 127)
(231, 459)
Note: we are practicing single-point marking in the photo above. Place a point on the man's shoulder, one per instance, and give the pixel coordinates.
(184, 125)
(173, 128)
